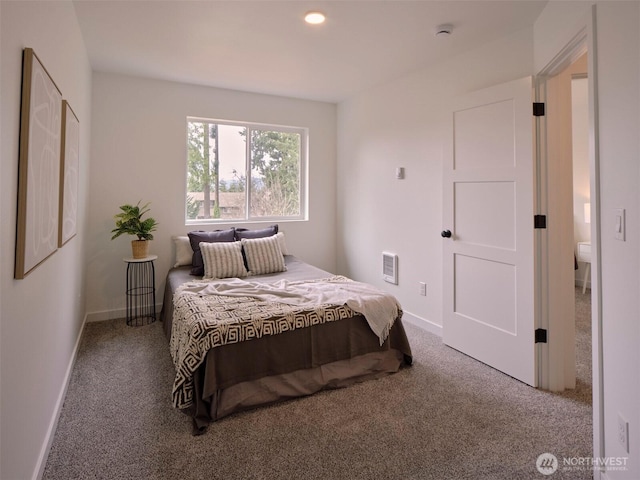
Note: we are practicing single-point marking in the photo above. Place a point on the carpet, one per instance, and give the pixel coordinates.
(446, 417)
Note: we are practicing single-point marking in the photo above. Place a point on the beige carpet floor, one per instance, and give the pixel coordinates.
(446, 417)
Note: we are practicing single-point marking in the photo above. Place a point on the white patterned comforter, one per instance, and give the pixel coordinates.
(214, 313)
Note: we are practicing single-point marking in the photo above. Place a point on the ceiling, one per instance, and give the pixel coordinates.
(264, 46)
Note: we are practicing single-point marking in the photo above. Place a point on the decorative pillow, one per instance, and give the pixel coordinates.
(198, 237)
(184, 254)
(263, 255)
(261, 233)
(222, 260)
(283, 243)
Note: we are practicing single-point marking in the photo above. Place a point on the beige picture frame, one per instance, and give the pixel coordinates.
(69, 174)
(38, 167)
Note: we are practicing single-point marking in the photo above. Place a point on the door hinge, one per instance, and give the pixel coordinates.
(539, 221)
(538, 109)
(541, 335)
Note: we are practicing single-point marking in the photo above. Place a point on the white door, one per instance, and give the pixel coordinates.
(488, 211)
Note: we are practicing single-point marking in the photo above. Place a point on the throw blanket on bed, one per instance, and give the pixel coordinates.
(215, 313)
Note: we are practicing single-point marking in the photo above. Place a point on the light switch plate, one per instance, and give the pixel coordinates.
(623, 432)
(619, 224)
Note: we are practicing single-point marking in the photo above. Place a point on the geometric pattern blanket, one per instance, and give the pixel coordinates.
(202, 321)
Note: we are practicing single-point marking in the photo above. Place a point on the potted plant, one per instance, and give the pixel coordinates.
(130, 221)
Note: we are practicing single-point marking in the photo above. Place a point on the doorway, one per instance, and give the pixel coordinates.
(582, 225)
(555, 363)
(568, 206)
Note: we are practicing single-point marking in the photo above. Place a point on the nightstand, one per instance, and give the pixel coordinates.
(141, 290)
(584, 255)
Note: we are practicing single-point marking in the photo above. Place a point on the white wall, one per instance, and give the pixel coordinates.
(401, 124)
(42, 315)
(618, 26)
(618, 88)
(139, 153)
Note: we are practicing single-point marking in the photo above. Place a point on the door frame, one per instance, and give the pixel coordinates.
(553, 372)
(555, 279)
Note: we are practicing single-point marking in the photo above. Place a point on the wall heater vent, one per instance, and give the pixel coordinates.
(390, 267)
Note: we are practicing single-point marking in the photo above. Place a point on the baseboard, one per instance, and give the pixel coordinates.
(103, 315)
(53, 425)
(422, 323)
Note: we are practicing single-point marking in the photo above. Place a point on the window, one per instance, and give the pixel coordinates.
(242, 171)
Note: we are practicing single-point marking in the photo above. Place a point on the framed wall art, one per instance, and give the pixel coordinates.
(39, 166)
(69, 174)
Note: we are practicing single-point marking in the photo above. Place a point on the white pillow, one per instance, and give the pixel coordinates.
(222, 260)
(263, 255)
(283, 243)
(184, 253)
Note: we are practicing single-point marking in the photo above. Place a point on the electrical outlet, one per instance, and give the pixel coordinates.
(423, 289)
(623, 432)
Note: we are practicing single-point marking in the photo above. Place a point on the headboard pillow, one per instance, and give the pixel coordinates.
(184, 253)
(263, 255)
(222, 260)
(258, 233)
(283, 243)
(197, 237)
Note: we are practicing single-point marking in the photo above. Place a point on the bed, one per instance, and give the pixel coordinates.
(268, 357)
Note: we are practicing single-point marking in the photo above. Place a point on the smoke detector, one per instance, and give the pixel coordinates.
(443, 31)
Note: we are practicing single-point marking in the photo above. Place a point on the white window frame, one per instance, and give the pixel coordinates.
(304, 179)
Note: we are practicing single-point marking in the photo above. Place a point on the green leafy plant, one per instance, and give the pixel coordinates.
(129, 221)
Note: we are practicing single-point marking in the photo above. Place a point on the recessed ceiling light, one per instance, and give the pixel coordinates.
(314, 18)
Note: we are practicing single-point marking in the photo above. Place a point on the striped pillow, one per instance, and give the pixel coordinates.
(263, 255)
(222, 260)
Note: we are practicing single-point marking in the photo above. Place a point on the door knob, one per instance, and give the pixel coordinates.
(446, 233)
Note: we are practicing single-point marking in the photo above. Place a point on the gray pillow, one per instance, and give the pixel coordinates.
(198, 236)
(259, 233)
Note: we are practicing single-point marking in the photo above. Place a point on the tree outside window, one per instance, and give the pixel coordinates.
(222, 156)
